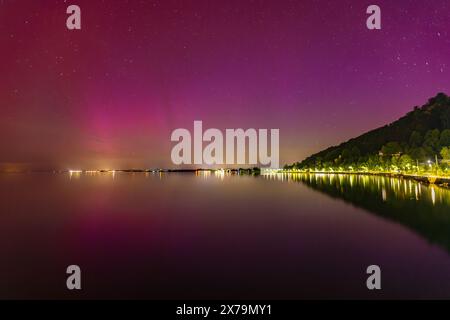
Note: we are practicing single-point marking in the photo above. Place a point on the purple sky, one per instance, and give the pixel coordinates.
(110, 95)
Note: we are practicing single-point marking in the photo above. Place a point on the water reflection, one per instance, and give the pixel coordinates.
(221, 235)
(423, 208)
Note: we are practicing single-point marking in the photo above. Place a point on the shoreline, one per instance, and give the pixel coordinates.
(428, 179)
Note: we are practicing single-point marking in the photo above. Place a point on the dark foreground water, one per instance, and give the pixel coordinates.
(208, 236)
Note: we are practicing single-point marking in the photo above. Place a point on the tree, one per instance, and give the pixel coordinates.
(416, 139)
(440, 98)
(445, 153)
(373, 162)
(405, 161)
(418, 153)
(391, 148)
(346, 155)
(432, 141)
(445, 119)
(319, 162)
(445, 138)
(355, 153)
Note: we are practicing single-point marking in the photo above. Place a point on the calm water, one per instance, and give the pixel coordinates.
(207, 236)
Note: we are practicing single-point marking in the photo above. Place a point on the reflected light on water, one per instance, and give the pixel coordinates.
(385, 187)
(433, 195)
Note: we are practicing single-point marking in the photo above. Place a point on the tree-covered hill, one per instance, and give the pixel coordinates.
(421, 135)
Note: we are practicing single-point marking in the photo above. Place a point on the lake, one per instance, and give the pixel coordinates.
(216, 236)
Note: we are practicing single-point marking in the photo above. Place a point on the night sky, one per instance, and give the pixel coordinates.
(109, 95)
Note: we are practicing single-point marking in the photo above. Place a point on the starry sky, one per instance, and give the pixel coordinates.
(109, 95)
